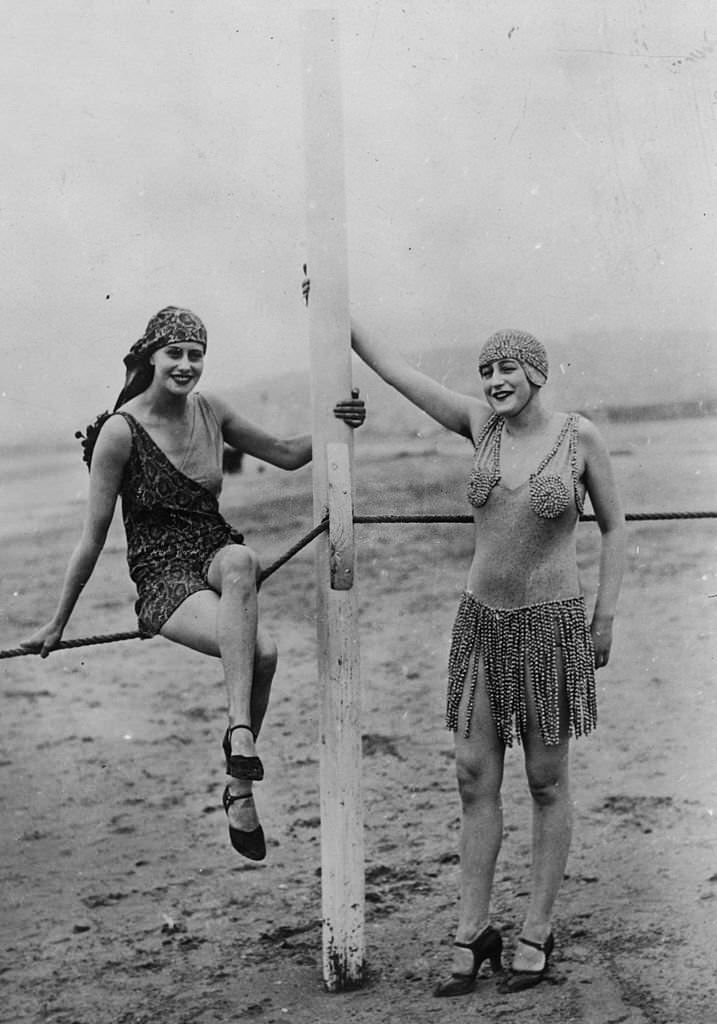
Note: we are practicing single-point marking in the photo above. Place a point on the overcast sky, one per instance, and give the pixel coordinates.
(550, 166)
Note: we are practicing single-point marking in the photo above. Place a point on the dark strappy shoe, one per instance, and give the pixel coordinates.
(487, 946)
(248, 844)
(250, 769)
(519, 980)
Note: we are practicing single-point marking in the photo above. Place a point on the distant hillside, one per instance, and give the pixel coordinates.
(606, 377)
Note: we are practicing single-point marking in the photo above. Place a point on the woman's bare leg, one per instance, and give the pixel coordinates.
(229, 629)
(265, 660)
(224, 624)
(547, 769)
(232, 574)
(479, 767)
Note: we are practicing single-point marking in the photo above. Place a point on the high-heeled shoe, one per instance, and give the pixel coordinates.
(248, 844)
(519, 980)
(487, 946)
(238, 765)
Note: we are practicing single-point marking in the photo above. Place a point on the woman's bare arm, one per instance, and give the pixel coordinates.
(108, 461)
(460, 413)
(601, 487)
(284, 452)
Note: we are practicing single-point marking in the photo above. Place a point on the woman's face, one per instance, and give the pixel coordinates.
(506, 386)
(178, 366)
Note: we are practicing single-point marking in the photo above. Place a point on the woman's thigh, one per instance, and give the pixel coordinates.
(480, 755)
(194, 624)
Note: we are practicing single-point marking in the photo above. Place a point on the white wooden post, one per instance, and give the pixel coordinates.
(342, 858)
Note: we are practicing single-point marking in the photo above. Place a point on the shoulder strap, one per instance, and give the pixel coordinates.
(573, 421)
(486, 429)
(556, 446)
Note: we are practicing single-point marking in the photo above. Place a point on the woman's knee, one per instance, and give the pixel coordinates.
(548, 782)
(238, 568)
(478, 778)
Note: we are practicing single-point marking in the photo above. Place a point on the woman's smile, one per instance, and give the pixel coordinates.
(501, 394)
(180, 365)
(505, 385)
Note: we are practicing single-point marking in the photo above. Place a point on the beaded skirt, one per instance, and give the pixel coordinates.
(514, 644)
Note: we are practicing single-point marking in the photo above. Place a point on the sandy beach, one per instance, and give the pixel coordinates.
(122, 899)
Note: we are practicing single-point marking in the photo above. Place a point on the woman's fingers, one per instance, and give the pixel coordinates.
(352, 411)
(41, 642)
(600, 659)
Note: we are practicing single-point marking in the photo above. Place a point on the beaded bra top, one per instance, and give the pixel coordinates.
(548, 493)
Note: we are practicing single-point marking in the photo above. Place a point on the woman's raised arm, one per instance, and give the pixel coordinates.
(453, 410)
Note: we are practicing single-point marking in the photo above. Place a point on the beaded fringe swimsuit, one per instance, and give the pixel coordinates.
(526, 601)
(172, 522)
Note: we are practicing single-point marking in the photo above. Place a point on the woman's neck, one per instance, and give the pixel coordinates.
(532, 418)
(164, 406)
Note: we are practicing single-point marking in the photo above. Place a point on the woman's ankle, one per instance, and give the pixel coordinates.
(241, 736)
(536, 930)
(471, 931)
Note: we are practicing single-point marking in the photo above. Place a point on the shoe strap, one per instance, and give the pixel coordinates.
(540, 946)
(229, 798)
(232, 728)
(471, 945)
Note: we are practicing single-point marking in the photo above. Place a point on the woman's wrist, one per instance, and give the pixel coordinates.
(59, 620)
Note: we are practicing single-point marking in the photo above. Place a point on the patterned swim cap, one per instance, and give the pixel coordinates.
(171, 325)
(521, 346)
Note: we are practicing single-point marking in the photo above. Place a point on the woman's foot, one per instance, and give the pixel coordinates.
(242, 809)
(245, 832)
(530, 951)
(530, 963)
(467, 959)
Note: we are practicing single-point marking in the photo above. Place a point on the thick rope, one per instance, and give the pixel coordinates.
(630, 517)
(110, 638)
(283, 559)
(87, 641)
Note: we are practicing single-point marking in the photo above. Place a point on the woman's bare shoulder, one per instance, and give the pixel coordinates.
(219, 406)
(588, 431)
(592, 446)
(115, 437)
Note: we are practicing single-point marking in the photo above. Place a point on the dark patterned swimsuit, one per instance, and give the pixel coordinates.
(173, 527)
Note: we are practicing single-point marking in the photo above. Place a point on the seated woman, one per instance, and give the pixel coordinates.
(161, 452)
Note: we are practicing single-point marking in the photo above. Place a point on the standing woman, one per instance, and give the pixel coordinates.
(523, 653)
(161, 451)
